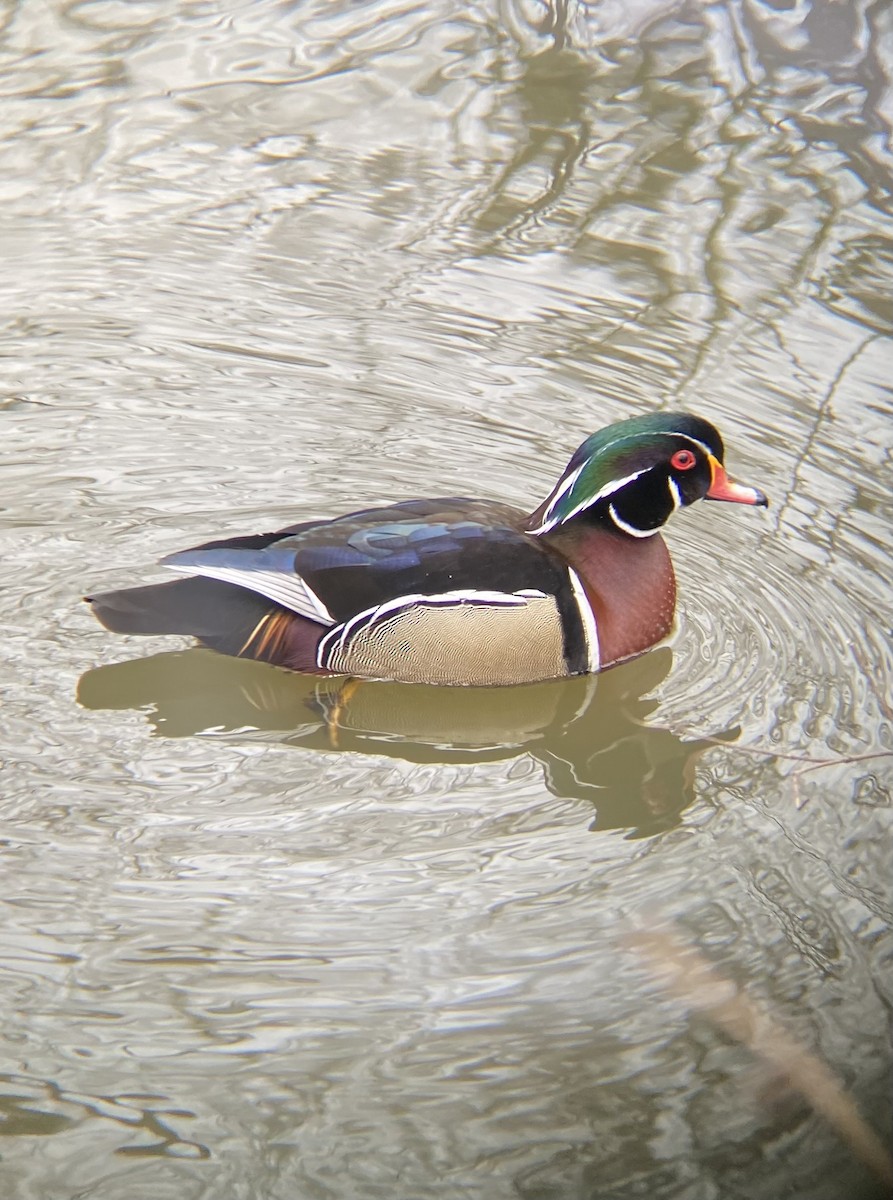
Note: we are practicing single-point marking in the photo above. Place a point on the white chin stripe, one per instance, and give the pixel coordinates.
(627, 528)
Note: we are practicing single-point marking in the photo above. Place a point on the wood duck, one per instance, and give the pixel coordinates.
(457, 591)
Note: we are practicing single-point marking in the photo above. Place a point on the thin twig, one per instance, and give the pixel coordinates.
(807, 764)
(687, 974)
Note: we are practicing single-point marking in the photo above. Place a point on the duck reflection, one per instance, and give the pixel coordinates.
(589, 733)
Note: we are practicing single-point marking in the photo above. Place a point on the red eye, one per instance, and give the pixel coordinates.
(683, 460)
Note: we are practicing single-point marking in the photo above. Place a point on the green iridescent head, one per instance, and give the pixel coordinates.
(634, 474)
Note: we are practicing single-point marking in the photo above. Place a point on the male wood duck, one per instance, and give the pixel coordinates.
(457, 591)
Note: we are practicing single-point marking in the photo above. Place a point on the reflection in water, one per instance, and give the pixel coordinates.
(552, 133)
(589, 733)
(32, 1107)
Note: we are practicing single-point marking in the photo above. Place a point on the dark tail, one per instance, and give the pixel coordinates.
(202, 608)
(221, 615)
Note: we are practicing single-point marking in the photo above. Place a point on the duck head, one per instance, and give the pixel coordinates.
(633, 475)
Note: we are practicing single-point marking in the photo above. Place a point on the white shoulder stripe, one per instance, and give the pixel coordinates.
(291, 591)
(587, 616)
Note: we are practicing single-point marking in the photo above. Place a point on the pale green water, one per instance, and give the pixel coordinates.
(278, 261)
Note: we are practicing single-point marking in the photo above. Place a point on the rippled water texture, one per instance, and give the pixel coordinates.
(270, 261)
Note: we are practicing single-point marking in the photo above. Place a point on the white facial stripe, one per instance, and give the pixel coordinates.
(675, 493)
(608, 490)
(545, 527)
(694, 441)
(565, 486)
(626, 527)
(614, 486)
(587, 616)
(549, 522)
(665, 433)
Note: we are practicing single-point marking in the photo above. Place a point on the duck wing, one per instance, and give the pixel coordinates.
(332, 571)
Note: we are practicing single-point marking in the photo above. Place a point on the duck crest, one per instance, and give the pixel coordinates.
(625, 454)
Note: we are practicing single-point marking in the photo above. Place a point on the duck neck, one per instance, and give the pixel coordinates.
(629, 583)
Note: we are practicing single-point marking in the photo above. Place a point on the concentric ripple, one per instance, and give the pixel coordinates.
(764, 634)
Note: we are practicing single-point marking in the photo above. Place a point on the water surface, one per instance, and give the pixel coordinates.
(269, 262)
